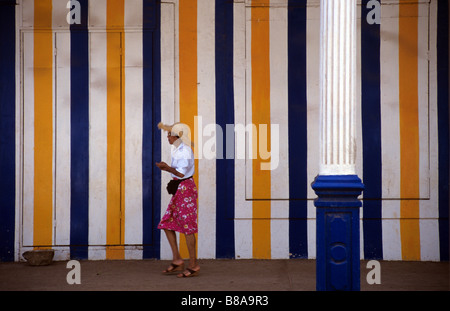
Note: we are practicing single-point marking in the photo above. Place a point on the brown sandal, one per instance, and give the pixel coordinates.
(173, 268)
(191, 273)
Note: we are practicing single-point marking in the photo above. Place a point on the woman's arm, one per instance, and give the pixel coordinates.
(163, 166)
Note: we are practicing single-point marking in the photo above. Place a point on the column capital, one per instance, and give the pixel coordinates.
(337, 190)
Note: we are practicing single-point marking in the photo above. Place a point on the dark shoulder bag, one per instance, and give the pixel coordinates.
(172, 186)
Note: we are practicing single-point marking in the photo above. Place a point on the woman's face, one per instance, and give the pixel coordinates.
(171, 138)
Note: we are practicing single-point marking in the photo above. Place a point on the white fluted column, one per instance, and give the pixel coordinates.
(337, 87)
(337, 185)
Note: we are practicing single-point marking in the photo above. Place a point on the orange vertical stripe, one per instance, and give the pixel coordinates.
(409, 130)
(115, 144)
(188, 79)
(260, 54)
(122, 142)
(43, 124)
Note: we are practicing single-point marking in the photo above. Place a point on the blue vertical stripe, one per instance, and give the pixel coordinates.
(7, 130)
(297, 118)
(156, 8)
(224, 115)
(443, 126)
(371, 135)
(151, 148)
(79, 136)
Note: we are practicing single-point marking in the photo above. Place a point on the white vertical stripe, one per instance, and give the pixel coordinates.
(61, 129)
(206, 110)
(390, 115)
(54, 129)
(133, 130)
(279, 233)
(27, 7)
(311, 238)
(59, 15)
(422, 88)
(98, 130)
(97, 14)
(97, 142)
(62, 150)
(391, 238)
(429, 209)
(177, 59)
(390, 131)
(358, 124)
(429, 239)
(247, 112)
(133, 137)
(133, 17)
(28, 138)
(167, 103)
(358, 102)
(243, 208)
(361, 237)
(279, 116)
(313, 117)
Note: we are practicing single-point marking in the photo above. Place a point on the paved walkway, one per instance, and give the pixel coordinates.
(216, 275)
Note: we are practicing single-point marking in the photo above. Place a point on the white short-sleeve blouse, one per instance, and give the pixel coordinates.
(183, 160)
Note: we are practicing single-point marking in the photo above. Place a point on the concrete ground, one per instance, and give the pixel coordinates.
(215, 275)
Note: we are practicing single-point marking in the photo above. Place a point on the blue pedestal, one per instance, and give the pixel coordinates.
(337, 232)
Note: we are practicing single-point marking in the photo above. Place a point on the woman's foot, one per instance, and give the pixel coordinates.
(189, 272)
(174, 267)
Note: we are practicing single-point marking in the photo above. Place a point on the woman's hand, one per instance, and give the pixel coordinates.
(163, 166)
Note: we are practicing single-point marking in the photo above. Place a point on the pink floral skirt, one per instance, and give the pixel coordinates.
(181, 214)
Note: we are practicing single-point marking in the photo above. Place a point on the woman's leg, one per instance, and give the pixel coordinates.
(172, 238)
(190, 241)
(193, 264)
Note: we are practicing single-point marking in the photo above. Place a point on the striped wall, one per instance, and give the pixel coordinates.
(81, 131)
(88, 136)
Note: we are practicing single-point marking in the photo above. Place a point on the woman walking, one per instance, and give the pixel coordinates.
(181, 214)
